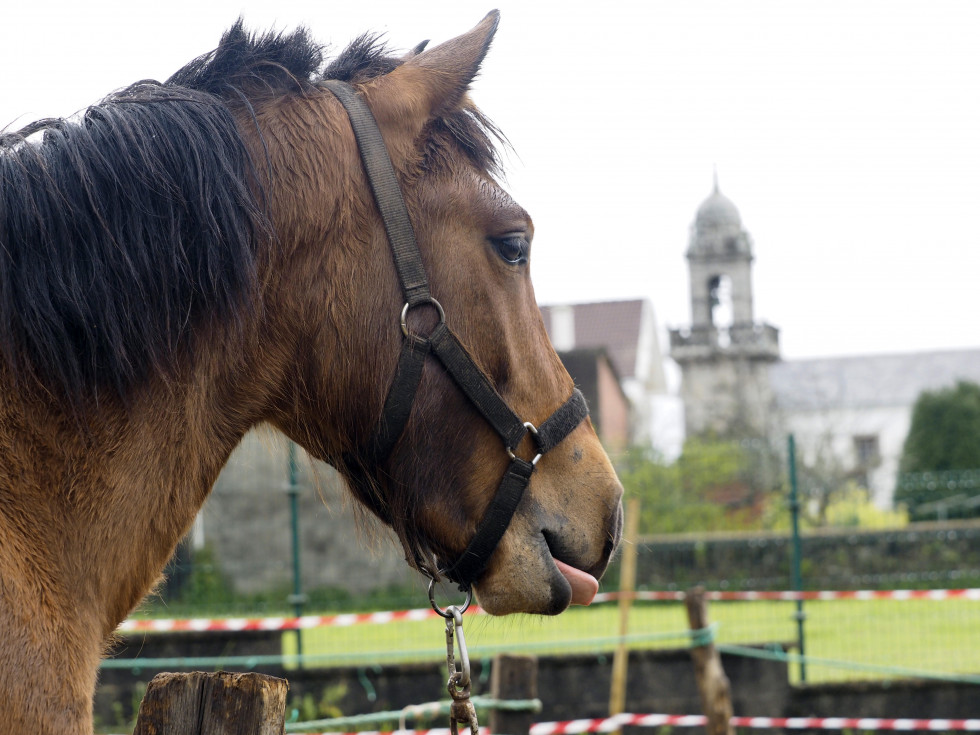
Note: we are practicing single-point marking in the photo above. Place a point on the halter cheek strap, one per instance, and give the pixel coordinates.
(443, 344)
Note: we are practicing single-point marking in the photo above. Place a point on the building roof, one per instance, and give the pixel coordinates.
(612, 325)
(870, 380)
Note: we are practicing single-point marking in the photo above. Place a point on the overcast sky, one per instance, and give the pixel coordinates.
(847, 133)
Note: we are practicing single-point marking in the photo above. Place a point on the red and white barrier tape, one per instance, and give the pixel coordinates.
(677, 596)
(611, 724)
(433, 731)
(202, 625)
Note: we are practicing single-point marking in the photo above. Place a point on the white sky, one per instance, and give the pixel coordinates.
(847, 133)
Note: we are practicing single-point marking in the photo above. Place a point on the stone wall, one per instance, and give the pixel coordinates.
(923, 555)
(246, 524)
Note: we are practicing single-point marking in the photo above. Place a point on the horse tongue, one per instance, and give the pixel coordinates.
(584, 585)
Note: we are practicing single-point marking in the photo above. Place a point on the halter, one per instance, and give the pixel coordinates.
(447, 348)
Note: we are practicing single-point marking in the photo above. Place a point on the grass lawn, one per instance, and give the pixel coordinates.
(937, 636)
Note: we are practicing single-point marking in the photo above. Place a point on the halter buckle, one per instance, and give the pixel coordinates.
(532, 429)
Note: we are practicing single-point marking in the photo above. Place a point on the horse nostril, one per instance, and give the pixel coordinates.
(615, 534)
(617, 531)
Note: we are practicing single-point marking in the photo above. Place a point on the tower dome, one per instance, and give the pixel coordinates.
(717, 229)
(717, 211)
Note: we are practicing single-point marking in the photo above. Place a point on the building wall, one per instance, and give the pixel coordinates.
(609, 406)
(828, 436)
(648, 382)
(614, 408)
(726, 395)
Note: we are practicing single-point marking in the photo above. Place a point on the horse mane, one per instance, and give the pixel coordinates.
(123, 229)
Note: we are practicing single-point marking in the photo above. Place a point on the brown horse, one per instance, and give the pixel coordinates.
(189, 259)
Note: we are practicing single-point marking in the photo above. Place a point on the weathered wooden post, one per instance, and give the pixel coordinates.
(219, 703)
(713, 686)
(627, 591)
(513, 677)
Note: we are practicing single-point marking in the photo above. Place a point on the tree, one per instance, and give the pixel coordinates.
(944, 436)
(714, 485)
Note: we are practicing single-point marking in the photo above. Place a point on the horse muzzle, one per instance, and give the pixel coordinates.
(548, 561)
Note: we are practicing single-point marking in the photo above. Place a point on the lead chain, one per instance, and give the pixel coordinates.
(462, 710)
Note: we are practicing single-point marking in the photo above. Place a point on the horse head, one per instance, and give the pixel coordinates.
(435, 481)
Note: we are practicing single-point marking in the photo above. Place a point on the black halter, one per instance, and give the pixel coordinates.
(451, 353)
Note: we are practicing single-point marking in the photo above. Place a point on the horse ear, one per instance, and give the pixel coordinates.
(417, 49)
(433, 82)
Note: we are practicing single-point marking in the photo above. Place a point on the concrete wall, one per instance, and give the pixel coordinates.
(246, 522)
(570, 687)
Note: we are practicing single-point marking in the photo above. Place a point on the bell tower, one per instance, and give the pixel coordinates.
(724, 354)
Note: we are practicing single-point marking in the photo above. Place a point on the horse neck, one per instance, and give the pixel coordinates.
(105, 506)
(88, 521)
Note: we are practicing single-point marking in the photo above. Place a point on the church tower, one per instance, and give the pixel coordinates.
(725, 354)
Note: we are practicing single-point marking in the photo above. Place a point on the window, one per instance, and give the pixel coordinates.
(866, 450)
(720, 301)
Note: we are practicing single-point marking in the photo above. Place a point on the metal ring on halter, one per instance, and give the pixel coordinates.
(431, 301)
(448, 612)
(534, 432)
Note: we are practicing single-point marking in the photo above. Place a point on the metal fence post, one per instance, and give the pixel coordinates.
(794, 508)
(298, 598)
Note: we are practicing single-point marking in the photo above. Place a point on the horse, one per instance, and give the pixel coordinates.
(185, 260)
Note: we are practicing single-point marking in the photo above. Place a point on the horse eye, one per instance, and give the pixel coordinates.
(512, 249)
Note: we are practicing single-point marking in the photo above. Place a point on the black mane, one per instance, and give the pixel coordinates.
(254, 65)
(122, 230)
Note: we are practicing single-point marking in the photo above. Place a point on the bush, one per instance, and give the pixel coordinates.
(944, 437)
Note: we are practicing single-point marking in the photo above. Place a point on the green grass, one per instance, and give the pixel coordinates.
(941, 637)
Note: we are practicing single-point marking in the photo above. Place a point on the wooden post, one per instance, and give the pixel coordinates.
(713, 686)
(627, 589)
(219, 703)
(513, 677)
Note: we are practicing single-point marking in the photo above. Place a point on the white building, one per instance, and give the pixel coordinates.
(854, 412)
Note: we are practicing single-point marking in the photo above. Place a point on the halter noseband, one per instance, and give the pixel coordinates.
(445, 346)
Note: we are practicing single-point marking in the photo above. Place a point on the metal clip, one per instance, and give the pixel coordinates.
(459, 676)
(462, 710)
